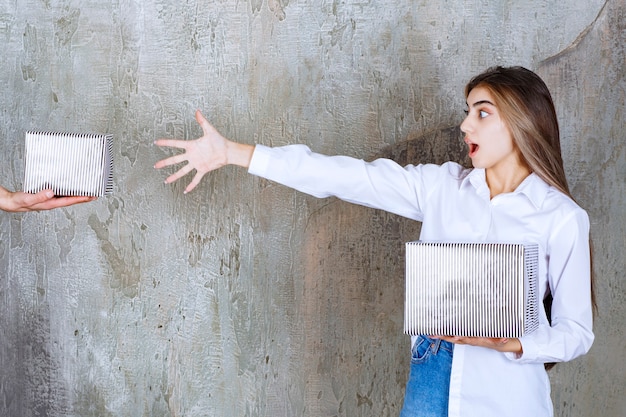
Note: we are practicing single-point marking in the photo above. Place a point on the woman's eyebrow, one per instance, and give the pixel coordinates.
(481, 102)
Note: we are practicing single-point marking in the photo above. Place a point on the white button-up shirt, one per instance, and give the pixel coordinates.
(453, 203)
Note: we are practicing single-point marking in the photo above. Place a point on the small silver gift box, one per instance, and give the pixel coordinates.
(471, 289)
(68, 163)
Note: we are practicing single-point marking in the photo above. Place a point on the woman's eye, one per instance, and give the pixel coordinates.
(466, 111)
(482, 114)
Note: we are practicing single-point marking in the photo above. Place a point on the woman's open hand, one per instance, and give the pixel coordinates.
(204, 154)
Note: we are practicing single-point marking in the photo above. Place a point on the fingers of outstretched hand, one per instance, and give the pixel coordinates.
(202, 121)
(179, 174)
(207, 128)
(172, 143)
(194, 182)
(172, 160)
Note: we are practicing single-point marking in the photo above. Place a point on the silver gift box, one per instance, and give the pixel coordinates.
(70, 164)
(471, 289)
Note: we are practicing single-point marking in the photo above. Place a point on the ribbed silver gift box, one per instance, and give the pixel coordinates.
(471, 289)
(70, 164)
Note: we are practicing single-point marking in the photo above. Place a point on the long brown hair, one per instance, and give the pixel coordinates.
(526, 107)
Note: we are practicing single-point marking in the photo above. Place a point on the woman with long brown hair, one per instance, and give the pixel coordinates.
(516, 192)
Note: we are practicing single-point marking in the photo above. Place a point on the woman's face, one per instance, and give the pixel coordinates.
(489, 140)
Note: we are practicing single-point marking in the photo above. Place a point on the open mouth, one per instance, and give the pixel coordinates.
(473, 148)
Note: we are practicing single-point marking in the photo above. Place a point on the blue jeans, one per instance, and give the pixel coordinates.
(428, 386)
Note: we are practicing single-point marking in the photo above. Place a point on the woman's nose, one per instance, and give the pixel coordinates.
(465, 125)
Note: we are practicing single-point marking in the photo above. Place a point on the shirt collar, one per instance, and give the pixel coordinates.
(533, 187)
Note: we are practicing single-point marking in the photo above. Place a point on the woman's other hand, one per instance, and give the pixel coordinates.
(499, 344)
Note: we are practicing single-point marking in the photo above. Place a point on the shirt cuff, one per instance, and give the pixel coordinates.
(260, 160)
(514, 356)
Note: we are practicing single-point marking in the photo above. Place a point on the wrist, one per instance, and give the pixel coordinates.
(514, 346)
(239, 154)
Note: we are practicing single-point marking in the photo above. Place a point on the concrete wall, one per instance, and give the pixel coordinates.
(245, 298)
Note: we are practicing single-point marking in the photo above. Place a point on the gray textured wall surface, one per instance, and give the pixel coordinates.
(245, 298)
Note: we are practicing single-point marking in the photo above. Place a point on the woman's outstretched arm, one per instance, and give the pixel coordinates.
(381, 184)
